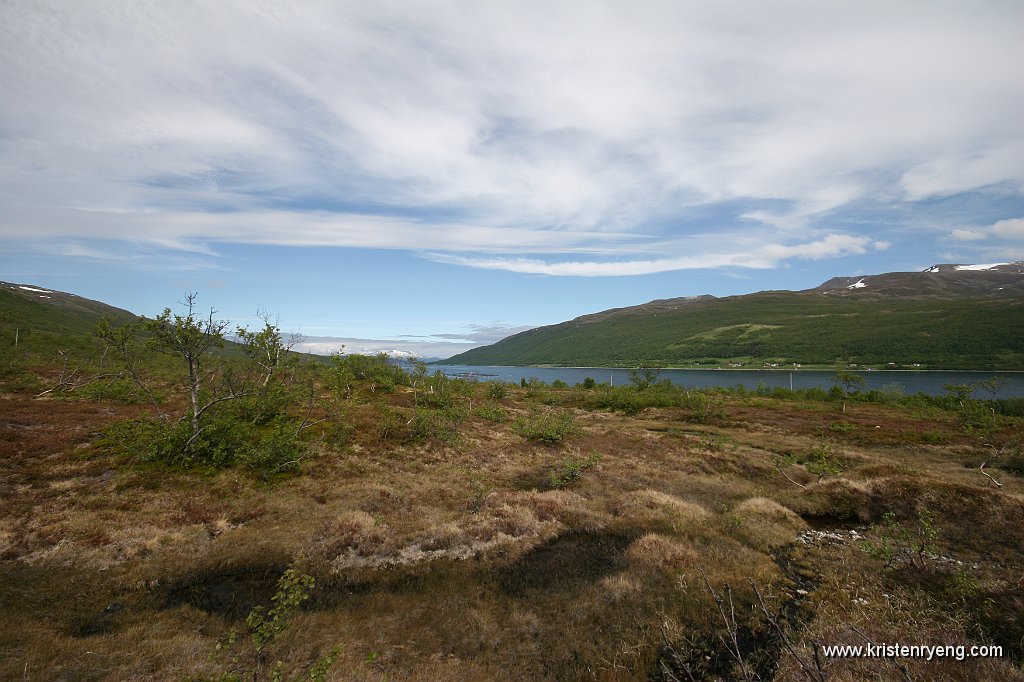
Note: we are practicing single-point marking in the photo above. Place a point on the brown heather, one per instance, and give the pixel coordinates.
(455, 560)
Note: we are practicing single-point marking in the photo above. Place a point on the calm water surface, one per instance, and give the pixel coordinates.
(930, 382)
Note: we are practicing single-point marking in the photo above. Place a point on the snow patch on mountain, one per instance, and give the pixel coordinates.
(859, 284)
(41, 291)
(987, 266)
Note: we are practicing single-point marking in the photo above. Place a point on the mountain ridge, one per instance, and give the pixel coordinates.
(903, 318)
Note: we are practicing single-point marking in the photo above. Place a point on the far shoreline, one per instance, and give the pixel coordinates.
(815, 368)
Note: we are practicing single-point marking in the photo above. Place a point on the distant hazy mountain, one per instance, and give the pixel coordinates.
(948, 316)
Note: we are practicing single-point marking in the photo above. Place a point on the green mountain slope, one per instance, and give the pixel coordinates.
(44, 321)
(42, 318)
(945, 318)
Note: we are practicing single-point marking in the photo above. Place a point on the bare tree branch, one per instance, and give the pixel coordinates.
(989, 476)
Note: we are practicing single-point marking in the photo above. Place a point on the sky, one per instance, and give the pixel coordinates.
(432, 176)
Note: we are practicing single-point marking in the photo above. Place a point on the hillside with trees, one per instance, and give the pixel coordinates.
(944, 318)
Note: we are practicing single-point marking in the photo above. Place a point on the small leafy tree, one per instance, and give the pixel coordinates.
(123, 341)
(189, 337)
(265, 347)
(644, 376)
(497, 390)
(845, 382)
(341, 377)
(976, 416)
(253, 429)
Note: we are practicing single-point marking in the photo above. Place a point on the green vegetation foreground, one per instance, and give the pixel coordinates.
(173, 512)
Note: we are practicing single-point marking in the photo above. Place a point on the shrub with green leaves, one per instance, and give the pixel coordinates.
(118, 389)
(705, 405)
(497, 390)
(148, 439)
(715, 442)
(266, 405)
(375, 372)
(279, 450)
(442, 392)
(571, 469)
(264, 628)
(822, 460)
(537, 390)
(493, 413)
(625, 400)
(550, 428)
(223, 441)
(436, 425)
(389, 422)
(898, 543)
(644, 376)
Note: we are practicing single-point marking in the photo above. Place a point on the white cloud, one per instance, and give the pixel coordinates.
(766, 256)
(481, 333)
(831, 246)
(604, 269)
(500, 128)
(1010, 229)
(967, 235)
(969, 170)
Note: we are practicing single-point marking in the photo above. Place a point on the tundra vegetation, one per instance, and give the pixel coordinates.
(178, 506)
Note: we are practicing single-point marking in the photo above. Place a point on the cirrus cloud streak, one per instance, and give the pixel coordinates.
(505, 134)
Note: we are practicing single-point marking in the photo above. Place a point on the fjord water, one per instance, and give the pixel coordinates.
(929, 382)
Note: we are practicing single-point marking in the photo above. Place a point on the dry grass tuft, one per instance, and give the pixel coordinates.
(837, 498)
(564, 507)
(503, 517)
(657, 511)
(352, 532)
(658, 554)
(765, 524)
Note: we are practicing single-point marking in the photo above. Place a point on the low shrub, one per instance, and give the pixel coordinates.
(279, 450)
(436, 425)
(442, 392)
(494, 413)
(897, 543)
(264, 627)
(571, 469)
(497, 390)
(120, 390)
(550, 428)
(224, 441)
